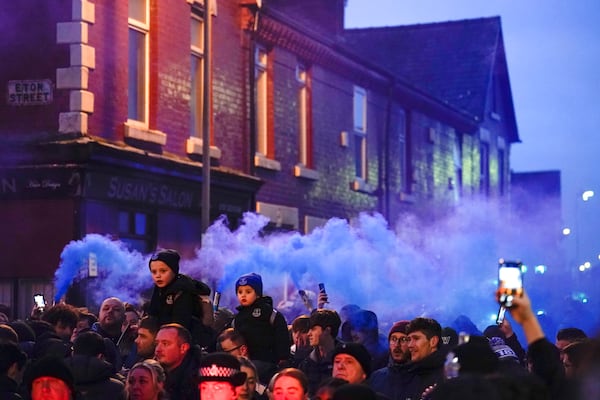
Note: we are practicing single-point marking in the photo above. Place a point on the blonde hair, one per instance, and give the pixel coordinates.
(156, 372)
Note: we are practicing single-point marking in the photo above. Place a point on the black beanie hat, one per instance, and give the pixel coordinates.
(54, 367)
(359, 352)
(169, 257)
(253, 280)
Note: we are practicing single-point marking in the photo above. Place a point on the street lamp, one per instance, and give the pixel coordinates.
(588, 194)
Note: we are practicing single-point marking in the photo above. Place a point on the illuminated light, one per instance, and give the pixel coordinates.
(588, 194)
(493, 317)
(567, 232)
(540, 312)
(587, 264)
(540, 269)
(523, 268)
(598, 256)
(584, 300)
(582, 268)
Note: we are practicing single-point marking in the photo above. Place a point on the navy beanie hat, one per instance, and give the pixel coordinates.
(169, 257)
(358, 351)
(253, 280)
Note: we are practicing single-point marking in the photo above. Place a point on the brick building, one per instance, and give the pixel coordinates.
(103, 118)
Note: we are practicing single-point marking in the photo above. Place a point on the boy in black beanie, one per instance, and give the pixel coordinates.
(263, 327)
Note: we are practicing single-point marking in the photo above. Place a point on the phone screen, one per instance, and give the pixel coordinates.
(510, 281)
(39, 300)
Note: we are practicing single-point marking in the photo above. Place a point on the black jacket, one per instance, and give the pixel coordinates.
(265, 331)
(9, 390)
(179, 303)
(409, 381)
(94, 379)
(182, 382)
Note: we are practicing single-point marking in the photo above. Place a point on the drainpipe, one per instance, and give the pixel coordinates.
(206, 121)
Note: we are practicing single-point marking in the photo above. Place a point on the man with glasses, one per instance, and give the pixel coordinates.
(385, 379)
(232, 342)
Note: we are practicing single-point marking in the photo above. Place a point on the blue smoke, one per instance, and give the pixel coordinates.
(440, 270)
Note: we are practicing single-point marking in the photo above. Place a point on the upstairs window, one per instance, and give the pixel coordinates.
(137, 94)
(360, 132)
(197, 72)
(304, 116)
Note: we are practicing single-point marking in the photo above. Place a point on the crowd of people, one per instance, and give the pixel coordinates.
(178, 347)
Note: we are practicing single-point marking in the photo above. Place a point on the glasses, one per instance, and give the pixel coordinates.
(396, 340)
(234, 349)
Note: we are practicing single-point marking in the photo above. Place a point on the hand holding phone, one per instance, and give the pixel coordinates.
(39, 300)
(510, 282)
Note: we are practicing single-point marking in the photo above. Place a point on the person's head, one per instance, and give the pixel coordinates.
(352, 362)
(475, 357)
(146, 335)
(84, 323)
(323, 326)
(424, 334)
(220, 377)
(248, 288)
(364, 327)
(164, 267)
(49, 378)
(246, 391)
(8, 334)
(300, 327)
(232, 342)
(173, 341)
(63, 317)
(111, 315)
(145, 381)
(89, 343)
(398, 342)
(327, 387)
(12, 361)
(566, 336)
(576, 358)
(290, 384)
(132, 317)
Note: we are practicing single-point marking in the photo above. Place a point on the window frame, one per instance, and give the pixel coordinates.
(142, 85)
(359, 109)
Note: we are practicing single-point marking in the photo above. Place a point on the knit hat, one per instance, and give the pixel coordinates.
(169, 257)
(53, 367)
(399, 326)
(324, 318)
(358, 351)
(253, 280)
(354, 392)
(476, 356)
(449, 338)
(503, 351)
(221, 367)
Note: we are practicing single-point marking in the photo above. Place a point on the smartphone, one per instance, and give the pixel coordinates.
(39, 300)
(321, 288)
(510, 281)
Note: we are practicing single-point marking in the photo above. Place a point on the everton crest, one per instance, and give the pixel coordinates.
(256, 312)
(170, 299)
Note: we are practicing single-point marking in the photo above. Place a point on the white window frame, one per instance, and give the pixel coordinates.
(301, 78)
(261, 79)
(142, 27)
(197, 76)
(359, 120)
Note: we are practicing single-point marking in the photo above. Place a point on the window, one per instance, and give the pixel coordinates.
(138, 61)
(304, 117)
(136, 229)
(458, 165)
(264, 147)
(484, 168)
(501, 173)
(197, 72)
(399, 122)
(360, 131)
